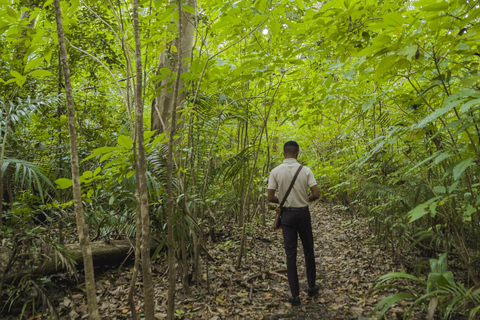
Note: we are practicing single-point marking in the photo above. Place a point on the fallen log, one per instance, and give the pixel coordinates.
(103, 253)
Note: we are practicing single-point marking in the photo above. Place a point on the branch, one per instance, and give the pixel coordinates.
(105, 66)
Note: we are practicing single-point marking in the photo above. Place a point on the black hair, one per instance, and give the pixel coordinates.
(291, 147)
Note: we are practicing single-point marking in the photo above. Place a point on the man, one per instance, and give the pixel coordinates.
(296, 218)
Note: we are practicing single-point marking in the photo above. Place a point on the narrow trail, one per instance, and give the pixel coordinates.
(348, 264)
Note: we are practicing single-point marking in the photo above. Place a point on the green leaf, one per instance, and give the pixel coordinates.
(433, 209)
(385, 66)
(367, 105)
(97, 171)
(125, 141)
(420, 210)
(87, 174)
(394, 275)
(461, 167)
(466, 107)
(469, 211)
(442, 156)
(40, 73)
(11, 12)
(101, 150)
(297, 62)
(188, 9)
(393, 19)
(33, 64)
(107, 156)
(473, 312)
(147, 135)
(20, 81)
(64, 183)
(440, 189)
(74, 5)
(300, 4)
(90, 193)
(166, 71)
(441, 6)
(440, 280)
(15, 74)
(453, 187)
(409, 51)
(436, 114)
(387, 302)
(48, 54)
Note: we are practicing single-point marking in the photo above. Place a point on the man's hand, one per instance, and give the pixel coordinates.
(271, 196)
(315, 193)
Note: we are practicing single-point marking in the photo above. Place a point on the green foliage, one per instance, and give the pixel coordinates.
(28, 240)
(31, 295)
(382, 96)
(450, 298)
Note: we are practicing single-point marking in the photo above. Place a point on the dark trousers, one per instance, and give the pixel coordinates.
(298, 222)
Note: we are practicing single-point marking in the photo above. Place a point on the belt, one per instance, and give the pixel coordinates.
(294, 209)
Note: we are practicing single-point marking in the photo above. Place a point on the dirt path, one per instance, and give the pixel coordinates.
(347, 266)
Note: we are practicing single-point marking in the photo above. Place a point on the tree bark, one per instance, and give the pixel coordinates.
(2, 156)
(171, 200)
(82, 227)
(141, 173)
(161, 105)
(103, 253)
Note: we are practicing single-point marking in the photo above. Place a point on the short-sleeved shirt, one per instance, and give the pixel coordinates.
(282, 176)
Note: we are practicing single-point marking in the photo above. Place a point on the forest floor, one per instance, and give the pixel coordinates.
(348, 265)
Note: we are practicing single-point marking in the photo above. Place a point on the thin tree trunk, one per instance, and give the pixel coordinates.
(82, 227)
(141, 172)
(265, 121)
(197, 238)
(183, 246)
(171, 202)
(2, 156)
(136, 265)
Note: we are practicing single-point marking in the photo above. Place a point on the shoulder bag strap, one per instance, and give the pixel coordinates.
(291, 185)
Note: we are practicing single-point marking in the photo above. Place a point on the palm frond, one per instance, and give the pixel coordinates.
(26, 174)
(232, 166)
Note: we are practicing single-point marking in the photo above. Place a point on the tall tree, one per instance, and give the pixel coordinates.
(141, 174)
(171, 201)
(161, 105)
(82, 227)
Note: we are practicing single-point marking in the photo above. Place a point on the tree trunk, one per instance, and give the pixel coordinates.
(141, 173)
(2, 156)
(103, 253)
(82, 227)
(136, 266)
(161, 105)
(197, 238)
(171, 200)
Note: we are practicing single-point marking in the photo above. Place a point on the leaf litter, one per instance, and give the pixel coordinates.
(348, 264)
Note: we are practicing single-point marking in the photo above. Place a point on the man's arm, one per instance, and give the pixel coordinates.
(271, 196)
(314, 195)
